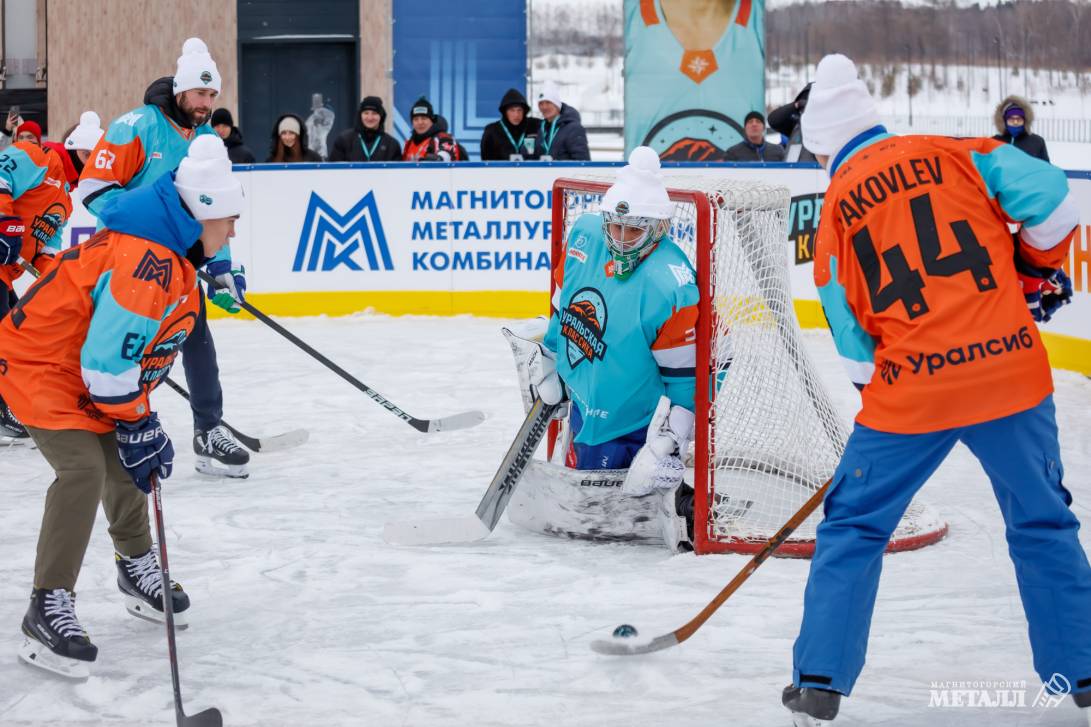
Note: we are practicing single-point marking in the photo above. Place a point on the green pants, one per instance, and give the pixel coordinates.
(88, 471)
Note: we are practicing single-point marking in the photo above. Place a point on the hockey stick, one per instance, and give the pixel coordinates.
(472, 528)
(210, 717)
(280, 442)
(276, 443)
(463, 420)
(626, 646)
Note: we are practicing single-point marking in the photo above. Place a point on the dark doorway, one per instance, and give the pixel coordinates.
(285, 77)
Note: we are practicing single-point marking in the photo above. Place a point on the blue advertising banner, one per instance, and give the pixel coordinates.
(463, 55)
(692, 73)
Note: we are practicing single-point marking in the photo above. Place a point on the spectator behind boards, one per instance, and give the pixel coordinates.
(785, 119)
(754, 147)
(562, 136)
(289, 142)
(224, 125)
(430, 141)
(368, 141)
(512, 137)
(1013, 118)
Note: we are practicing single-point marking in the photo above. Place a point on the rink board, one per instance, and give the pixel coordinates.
(473, 238)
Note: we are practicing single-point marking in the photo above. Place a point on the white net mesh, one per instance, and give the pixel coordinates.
(773, 436)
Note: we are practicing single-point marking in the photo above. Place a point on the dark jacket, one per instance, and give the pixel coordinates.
(1030, 143)
(161, 93)
(495, 142)
(353, 145)
(744, 151)
(238, 152)
(785, 119)
(568, 137)
(274, 142)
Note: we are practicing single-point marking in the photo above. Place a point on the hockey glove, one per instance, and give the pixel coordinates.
(658, 464)
(1045, 291)
(145, 449)
(544, 379)
(11, 239)
(230, 288)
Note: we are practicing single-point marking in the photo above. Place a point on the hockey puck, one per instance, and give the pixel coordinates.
(625, 631)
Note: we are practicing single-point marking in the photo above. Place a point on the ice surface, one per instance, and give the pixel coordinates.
(302, 615)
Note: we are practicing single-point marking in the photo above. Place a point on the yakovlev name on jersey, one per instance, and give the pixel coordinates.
(583, 325)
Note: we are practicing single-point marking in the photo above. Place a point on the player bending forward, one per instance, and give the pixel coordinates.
(914, 267)
(82, 351)
(622, 339)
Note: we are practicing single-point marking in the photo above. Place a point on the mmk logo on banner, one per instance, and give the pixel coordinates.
(329, 239)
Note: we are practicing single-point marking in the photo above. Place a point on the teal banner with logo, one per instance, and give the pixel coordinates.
(693, 71)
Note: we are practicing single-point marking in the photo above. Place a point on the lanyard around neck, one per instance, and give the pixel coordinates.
(518, 145)
(547, 145)
(369, 152)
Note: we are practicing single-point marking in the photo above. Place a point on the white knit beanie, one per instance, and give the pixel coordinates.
(639, 190)
(196, 69)
(86, 134)
(204, 180)
(551, 92)
(839, 107)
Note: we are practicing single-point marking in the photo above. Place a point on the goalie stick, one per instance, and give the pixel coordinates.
(463, 420)
(473, 528)
(629, 647)
(276, 443)
(210, 717)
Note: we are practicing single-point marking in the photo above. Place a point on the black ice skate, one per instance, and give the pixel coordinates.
(1083, 701)
(219, 455)
(811, 707)
(676, 519)
(10, 427)
(53, 638)
(138, 578)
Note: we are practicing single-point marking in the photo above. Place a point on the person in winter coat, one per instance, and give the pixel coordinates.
(430, 141)
(368, 141)
(513, 136)
(562, 136)
(289, 142)
(1013, 117)
(224, 125)
(785, 119)
(754, 147)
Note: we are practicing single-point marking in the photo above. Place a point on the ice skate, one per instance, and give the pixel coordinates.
(676, 519)
(139, 579)
(10, 427)
(219, 455)
(1083, 701)
(811, 707)
(53, 638)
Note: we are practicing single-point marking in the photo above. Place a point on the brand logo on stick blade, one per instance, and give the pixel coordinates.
(154, 270)
(583, 325)
(354, 240)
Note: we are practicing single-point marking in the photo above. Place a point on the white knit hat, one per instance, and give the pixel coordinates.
(639, 190)
(86, 134)
(839, 107)
(551, 92)
(204, 180)
(289, 123)
(196, 69)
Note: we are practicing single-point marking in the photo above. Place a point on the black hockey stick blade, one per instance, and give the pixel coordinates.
(463, 420)
(276, 443)
(211, 717)
(472, 528)
(631, 646)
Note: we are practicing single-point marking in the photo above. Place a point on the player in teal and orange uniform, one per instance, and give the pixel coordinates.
(79, 357)
(932, 305)
(138, 148)
(34, 207)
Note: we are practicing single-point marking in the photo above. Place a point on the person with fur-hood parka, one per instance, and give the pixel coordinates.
(1013, 118)
(289, 141)
(368, 141)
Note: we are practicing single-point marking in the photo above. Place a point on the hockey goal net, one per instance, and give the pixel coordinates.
(767, 435)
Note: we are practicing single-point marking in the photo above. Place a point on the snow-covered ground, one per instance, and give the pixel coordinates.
(303, 616)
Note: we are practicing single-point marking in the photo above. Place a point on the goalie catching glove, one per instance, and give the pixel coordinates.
(230, 287)
(658, 465)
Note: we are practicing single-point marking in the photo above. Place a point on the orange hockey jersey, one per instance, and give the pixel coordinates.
(914, 263)
(33, 187)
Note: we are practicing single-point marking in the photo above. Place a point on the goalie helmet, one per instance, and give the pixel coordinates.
(635, 211)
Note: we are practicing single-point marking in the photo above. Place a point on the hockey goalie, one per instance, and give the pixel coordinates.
(620, 345)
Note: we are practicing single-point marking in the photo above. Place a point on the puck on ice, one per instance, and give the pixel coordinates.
(625, 631)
